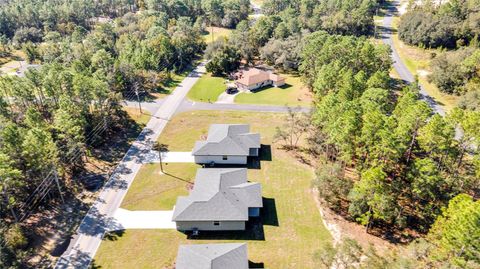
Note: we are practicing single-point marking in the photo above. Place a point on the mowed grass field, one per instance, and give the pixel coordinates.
(293, 232)
(293, 93)
(207, 88)
(156, 190)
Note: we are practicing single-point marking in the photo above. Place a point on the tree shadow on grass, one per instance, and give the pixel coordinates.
(80, 259)
(113, 235)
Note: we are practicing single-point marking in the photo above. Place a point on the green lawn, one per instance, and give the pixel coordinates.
(218, 32)
(140, 118)
(207, 88)
(154, 190)
(293, 93)
(288, 243)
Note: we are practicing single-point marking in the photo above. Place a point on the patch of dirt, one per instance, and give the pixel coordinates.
(423, 73)
(342, 228)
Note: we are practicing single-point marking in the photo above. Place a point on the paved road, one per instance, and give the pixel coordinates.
(99, 218)
(398, 64)
(188, 105)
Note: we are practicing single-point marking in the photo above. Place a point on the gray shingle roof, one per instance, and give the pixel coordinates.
(212, 256)
(227, 139)
(219, 194)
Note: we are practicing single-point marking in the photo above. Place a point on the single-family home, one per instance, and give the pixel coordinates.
(221, 199)
(227, 144)
(255, 78)
(212, 256)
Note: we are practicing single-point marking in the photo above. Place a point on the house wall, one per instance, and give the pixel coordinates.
(220, 160)
(279, 83)
(208, 225)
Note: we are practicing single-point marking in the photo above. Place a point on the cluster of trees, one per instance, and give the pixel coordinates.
(453, 242)
(410, 163)
(69, 105)
(457, 71)
(31, 20)
(448, 25)
(278, 37)
(344, 17)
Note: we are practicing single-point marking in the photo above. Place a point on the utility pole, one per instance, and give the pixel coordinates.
(58, 185)
(138, 97)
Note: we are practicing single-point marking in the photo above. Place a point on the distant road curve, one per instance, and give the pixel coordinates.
(398, 64)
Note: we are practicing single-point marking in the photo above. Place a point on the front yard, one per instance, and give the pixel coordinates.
(293, 93)
(292, 229)
(207, 88)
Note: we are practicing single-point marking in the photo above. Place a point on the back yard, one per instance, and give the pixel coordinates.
(292, 227)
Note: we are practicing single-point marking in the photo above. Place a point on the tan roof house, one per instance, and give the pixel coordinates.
(255, 78)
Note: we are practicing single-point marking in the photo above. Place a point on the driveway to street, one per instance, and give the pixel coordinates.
(126, 219)
(402, 70)
(99, 218)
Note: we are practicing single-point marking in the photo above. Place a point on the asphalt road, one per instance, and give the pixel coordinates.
(190, 106)
(398, 64)
(99, 218)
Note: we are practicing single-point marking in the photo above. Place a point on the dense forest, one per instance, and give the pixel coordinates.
(91, 55)
(449, 25)
(409, 163)
(277, 38)
(455, 27)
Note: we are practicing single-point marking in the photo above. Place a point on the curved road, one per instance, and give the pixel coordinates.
(402, 70)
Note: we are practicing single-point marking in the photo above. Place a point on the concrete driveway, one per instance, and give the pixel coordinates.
(168, 157)
(126, 219)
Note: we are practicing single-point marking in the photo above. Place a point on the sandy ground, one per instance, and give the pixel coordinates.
(341, 228)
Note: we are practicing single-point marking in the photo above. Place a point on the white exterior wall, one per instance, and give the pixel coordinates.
(220, 160)
(208, 225)
(279, 83)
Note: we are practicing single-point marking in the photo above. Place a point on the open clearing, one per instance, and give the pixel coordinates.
(218, 32)
(292, 230)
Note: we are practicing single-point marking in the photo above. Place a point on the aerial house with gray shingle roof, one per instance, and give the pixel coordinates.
(212, 256)
(221, 200)
(227, 144)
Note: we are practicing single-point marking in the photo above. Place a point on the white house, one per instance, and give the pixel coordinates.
(222, 199)
(212, 256)
(227, 144)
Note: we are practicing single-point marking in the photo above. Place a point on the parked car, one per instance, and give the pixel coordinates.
(231, 90)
